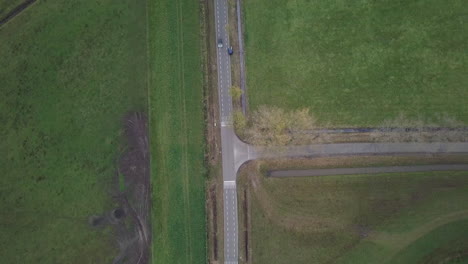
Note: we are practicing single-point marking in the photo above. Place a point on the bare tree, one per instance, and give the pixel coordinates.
(273, 126)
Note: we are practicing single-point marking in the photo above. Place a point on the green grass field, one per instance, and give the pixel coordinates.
(177, 142)
(70, 71)
(385, 218)
(358, 63)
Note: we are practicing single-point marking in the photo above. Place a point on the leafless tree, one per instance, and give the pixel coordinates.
(273, 126)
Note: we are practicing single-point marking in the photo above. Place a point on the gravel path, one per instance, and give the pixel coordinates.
(359, 149)
(368, 170)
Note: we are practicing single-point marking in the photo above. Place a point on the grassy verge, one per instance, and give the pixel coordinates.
(70, 70)
(176, 130)
(358, 218)
(358, 63)
(7, 6)
(360, 161)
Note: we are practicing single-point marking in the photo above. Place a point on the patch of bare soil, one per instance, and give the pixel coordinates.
(16, 11)
(134, 234)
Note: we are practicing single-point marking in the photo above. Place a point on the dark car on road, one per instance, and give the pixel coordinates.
(230, 51)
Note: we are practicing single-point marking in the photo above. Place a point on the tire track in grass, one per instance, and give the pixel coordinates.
(397, 242)
(148, 110)
(162, 147)
(185, 176)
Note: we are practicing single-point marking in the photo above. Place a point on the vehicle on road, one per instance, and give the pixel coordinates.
(220, 43)
(230, 50)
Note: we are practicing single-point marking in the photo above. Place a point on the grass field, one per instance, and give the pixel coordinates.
(385, 218)
(70, 71)
(358, 63)
(177, 142)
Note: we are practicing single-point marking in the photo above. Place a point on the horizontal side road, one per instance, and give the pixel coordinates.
(367, 170)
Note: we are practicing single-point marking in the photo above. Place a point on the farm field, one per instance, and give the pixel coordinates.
(383, 218)
(176, 131)
(358, 63)
(70, 71)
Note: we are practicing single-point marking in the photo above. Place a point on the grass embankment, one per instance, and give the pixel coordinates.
(6, 6)
(70, 70)
(358, 63)
(176, 130)
(397, 218)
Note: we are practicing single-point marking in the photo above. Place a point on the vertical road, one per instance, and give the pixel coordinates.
(227, 134)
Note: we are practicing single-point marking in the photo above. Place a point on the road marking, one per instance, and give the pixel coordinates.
(229, 184)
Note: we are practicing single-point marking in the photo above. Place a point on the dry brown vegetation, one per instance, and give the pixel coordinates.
(443, 128)
(273, 126)
(215, 217)
(235, 93)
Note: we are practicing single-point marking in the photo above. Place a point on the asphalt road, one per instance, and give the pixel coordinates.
(227, 135)
(367, 170)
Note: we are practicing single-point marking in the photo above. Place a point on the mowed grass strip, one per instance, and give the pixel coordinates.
(176, 130)
(447, 243)
(359, 218)
(70, 71)
(358, 63)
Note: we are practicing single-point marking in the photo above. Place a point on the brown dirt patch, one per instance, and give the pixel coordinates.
(134, 234)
